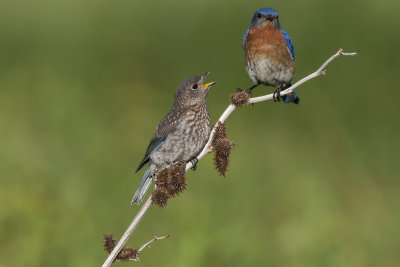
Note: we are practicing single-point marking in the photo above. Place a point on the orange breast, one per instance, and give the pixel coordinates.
(266, 42)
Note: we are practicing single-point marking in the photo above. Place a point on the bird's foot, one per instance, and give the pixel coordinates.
(194, 163)
(277, 95)
(249, 91)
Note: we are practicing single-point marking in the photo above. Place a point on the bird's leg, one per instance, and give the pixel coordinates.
(194, 163)
(251, 88)
(277, 94)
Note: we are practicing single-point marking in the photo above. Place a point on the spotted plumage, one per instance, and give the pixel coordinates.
(181, 135)
(269, 53)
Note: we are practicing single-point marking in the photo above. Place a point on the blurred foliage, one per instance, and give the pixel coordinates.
(84, 83)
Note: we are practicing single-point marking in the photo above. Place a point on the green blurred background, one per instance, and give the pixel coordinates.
(84, 83)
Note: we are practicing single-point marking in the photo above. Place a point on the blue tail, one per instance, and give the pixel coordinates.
(289, 98)
(142, 187)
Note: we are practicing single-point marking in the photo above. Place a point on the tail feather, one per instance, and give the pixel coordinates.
(142, 187)
(292, 97)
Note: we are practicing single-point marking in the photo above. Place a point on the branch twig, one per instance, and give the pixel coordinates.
(207, 149)
(128, 232)
(146, 245)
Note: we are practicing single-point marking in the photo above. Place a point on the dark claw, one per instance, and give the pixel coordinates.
(277, 95)
(194, 163)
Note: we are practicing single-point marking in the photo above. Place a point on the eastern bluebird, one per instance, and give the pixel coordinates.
(181, 135)
(269, 54)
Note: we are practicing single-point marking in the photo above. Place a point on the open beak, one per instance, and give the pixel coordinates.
(207, 85)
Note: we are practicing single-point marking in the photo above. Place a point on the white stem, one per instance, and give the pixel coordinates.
(128, 232)
(147, 245)
(207, 148)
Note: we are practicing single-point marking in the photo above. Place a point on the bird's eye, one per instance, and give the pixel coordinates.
(195, 86)
(258, 15)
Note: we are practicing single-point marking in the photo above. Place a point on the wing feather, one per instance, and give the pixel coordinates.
(164, 128)
(289, 43)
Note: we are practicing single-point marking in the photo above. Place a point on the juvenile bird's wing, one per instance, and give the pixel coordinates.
(244, 37)
(289, 43)
(164, 128)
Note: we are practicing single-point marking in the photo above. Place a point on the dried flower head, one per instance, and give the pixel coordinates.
(170, 182)
(220, 132)
(160, 197)
(222, 147)
(240, 98)
(162, 177)
(109, 242)
(177, 180)
(126, 253)
(221, 164)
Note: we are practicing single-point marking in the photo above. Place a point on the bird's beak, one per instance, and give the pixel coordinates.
(207, 85)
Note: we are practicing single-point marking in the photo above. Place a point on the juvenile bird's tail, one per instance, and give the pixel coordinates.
(289, 98)
(142, 187)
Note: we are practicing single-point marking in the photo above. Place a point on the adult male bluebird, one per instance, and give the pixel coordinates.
(181, 135)
(269, 54)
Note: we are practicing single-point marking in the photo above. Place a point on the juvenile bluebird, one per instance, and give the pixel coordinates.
(181, 135)
(269, 54)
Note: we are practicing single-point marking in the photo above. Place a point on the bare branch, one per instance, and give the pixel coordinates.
(128, 232)
(146, 245)
(208, 149)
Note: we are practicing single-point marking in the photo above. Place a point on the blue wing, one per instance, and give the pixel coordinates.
(244, 37)
(289, 43)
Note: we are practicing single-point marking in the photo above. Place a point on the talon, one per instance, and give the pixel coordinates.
(194, 163)
(238, 90)
(277, 95)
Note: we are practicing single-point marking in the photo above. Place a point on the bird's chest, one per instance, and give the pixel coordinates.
(195, 130)
(267, 57)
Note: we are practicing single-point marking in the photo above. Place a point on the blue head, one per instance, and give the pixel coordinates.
(263, 16)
